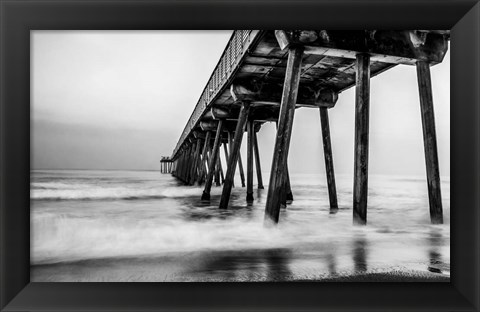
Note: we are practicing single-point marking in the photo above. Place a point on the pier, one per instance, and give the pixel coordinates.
(264, 76)
(166, 165)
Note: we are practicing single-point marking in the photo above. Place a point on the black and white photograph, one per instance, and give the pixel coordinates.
(240, 155)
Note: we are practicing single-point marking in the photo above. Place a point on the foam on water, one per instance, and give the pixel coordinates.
(162, 217)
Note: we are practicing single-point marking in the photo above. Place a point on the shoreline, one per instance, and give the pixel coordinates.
(223, 267)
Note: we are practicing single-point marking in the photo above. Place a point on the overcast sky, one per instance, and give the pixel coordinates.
(120, 100)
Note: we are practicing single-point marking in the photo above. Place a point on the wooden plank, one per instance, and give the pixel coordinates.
(362, 107)
(282, 142)
(430, 142)
(328, 155)
(257, 162)
(213, 162)
(250, 134)
(234, 154)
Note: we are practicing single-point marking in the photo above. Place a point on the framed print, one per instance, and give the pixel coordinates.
(153, 159)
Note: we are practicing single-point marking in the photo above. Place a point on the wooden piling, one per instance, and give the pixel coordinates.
(203, 170)
(234, 154)
(180, 165)
(430, 142)
(196, 158)
(191, 163)
(225, 148)
(187, 163)
(217, 172)
(213, 161)
(362, 108)
(328, 155)
(239, 161)
(284, 131)
(250, 134)
(257, 162)
(220, 169)
(240, 168)
(288, 187)
(286, 194)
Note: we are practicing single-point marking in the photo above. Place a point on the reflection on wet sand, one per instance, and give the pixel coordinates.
(436, 263)
(360, 254)
(331, 263)
(264, 264)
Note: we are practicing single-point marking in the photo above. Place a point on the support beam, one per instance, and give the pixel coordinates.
(430, 142)
(362, 111)
(240, 167)
(286, 194)
(257, 162)
(193, 175)
(182, 167)
(328, 155)
(220, 169)
(217, 174)
(213, 162)
(250, 134)
(217, 171)
(234, 154)
(191, 162)
(226, 154)
(239, 161)
(203, 170)
(288, 187)
(284, 131)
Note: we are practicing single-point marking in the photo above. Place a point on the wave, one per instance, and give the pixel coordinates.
(108, 193)
(64, 237)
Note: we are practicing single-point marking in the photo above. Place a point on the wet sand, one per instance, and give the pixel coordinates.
(273, 265)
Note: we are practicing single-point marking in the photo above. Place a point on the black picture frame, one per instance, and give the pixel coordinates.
(18, 17)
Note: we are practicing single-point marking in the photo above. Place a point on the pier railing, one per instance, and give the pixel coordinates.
(230, 60)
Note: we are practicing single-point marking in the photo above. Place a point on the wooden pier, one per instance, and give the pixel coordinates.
(264, 76)
(166, 165)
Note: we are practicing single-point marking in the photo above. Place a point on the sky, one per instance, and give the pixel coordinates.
(120, 100)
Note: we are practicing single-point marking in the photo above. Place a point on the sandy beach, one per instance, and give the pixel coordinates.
(276, 265)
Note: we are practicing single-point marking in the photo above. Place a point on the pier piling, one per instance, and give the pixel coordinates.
(250, 134)
(195, 166)
(328, 155)
(362, 111)
(284, 131)
(203, 169)
(240, 169)
(234, 154)
(257, 162)
(430, 142)
(213, 161)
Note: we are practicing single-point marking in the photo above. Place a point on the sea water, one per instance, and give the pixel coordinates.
(146, 226)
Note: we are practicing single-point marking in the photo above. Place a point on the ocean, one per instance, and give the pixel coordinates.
(144, 226)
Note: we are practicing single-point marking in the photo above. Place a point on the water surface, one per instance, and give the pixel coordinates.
(146, 226)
